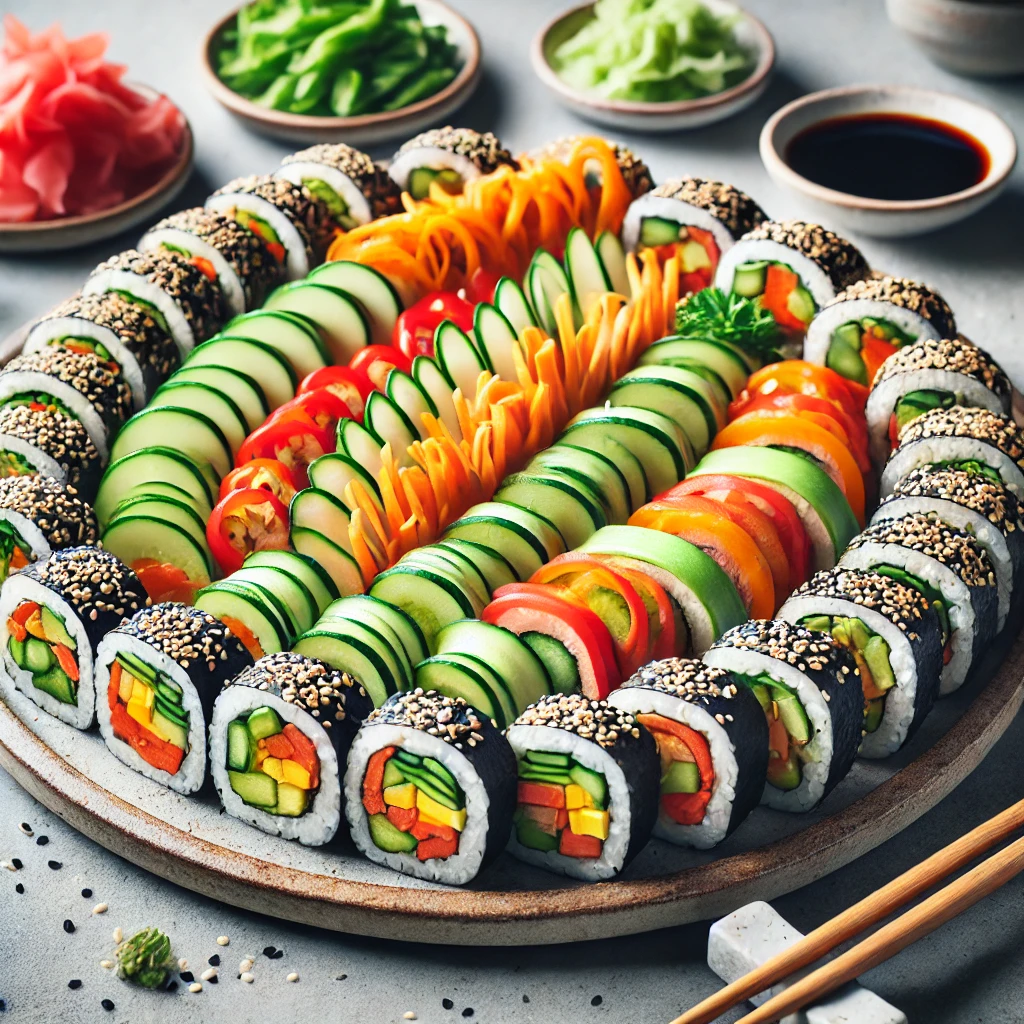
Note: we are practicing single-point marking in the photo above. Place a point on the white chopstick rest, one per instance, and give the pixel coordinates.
(754, 934)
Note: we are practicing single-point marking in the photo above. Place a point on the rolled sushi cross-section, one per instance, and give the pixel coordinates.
(794, 268)
(979, 440)
(864, 324)
(53, 615)
(809, 687)
(588, 795)
(430, 787)
(695, 219)
(279, 741)
(354, 188)
(40, 439)
(78, 384)
(222, 249)
(930, 375)
(449, 156)
(712, 739)
(953, 572)
(157, 676)
(38, 516)
(294, 225)
(895, 638)
(121, 332)
(182, 299)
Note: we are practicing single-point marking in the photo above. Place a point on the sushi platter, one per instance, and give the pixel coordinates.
(499, 548)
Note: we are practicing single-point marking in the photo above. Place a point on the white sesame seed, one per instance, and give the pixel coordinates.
(293, 976)
(223, 940)
(106, 964)
(210, 972)
(246, 964)
(118, 935)
(182, 964)
(195, 987)
(8, 865)
(247, 977)
(100, 908)
(409, 1015)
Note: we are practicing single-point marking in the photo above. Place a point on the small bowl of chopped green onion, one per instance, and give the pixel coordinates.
(655, 65)
(355, 71)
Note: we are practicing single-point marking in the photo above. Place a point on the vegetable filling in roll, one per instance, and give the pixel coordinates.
(41, 644)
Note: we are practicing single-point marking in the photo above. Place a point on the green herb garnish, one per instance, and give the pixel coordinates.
(146, 959)
(712, 315)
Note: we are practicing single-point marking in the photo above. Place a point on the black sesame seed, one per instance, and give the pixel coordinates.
(213, 980)
(19, 889)
(468, 1011)
(214, 960)
(107, 1004)
(25, 827)
(69, 926)
(526, 999)
(16, 863)
(596, 1001)
(74, 983)
(269, 951)
(277, 955)
(42, 840)
(447, 1004)
(172, 986)
(3, 1005)
(341, 977)
(54, 865)
(87, 894)
(187, 976)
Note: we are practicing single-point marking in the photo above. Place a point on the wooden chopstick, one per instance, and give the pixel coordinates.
(860, 916)
(917, 922)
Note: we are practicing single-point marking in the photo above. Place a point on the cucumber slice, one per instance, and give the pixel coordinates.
(671, 392)
(211, 403)
(292, 336)
(355, 441)
(613, 257)
(459, 359)
(495, 569)
(307, 572)
(313, 509)
(338, 315)
(262, 362)
(438, 389)
(561, 666)
(453, 679)
(588, 279)
(545, 282)
(525, 539)
(136, 537)
(411, 400)
(158, 506)
(567, 503)
(340, 565)
(335, 471)
(193, 434)
(431, 598)
(296, 598)
(722, 359)
(511, 302)
(375, 293)
(261, 612)
(594, 470)
(335, 646)
(159, 465)
(381, 637)
(162, 489)
(242, 389)
(363, 607)
(501, 696)
(451, 563)
(386, 421)
(496, 337)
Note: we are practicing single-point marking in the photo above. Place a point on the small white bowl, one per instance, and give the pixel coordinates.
(889, 218)
(365, 129)
(655, 117)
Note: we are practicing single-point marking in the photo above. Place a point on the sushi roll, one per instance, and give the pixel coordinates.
(703, 218)
(118, 331)
(38, 516)
(960, 434)
(157, 676)
(40, 439)
(449, 156)
(295, 225)
(430, 787)
(930, 375)
(170, 287)
(951, 569)
(893, 635)
(864, 324)
(589, 786)
(355, 189)
(53, 615)
(635, 173)
(809, 686)
(712, 738)
(78, 384)
(279, 741)
(223, 250)
(793, 267)
(973, 502)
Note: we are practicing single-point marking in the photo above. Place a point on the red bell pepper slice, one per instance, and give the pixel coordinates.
(351, 387)
(153, 750)
(164, 581)
(321, 405)
(437, 848)
(278, 746)
(660, 614)
(540, 794)
(803, 378)
(373, 781)
(415, 328)
(303, 752)
(482, 285)
(581, 847)
(294, 439)
(377, 361)
(246, 521)
(261, 474)
(780, 283)
(404, 819)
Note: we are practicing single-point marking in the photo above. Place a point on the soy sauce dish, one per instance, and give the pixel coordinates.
(889, 161)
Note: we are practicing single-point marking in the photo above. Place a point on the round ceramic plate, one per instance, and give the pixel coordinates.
(69, 232)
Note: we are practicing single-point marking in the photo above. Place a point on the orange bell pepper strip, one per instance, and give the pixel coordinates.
(874, 351)
(404, 819)
(303, 752)
(539, 794)
(438, 847)
(373, 781)
(67, 661)
(582, 847)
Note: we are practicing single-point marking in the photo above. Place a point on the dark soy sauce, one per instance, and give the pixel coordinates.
(888, 156)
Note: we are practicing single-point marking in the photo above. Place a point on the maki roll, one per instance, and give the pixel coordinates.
(953, 572)
(893, 635)
(157, 676)
(635, 173)
(234, 257)
(588, 786)
(864, 324)
(77, 384)
(793, 267)
(40, 439)
(930, 375)
(430, 787)
(53, 615)
(279, 740)
(702, 218)
(355, 189)
(449, 156)
(118, 331)
(973, 502)
(294, 225)
(182, 299)
(809, 686)
(38, 516)
(712, 739)
(985, 441)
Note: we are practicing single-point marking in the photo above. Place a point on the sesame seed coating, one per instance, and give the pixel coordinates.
(804, 649)
(974, 491)
(448, 718)
(59, 513)
(954, 355)
(594, 720)
(726, 203)
(484, 149)
(63, 438)
(686, 679)
(383, 195)
(838, 258)
(305, 682)
(901, 605)
(910, 295)
(963, 421)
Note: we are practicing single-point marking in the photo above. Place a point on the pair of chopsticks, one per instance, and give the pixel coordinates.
(917, 922)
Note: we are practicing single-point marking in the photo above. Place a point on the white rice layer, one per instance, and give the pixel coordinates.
(323, 816)
(19, 382)
(358, 206)
(230, 285)
(17, 588)
(930, 450)
(39, 546)
(813, 278)
(35, 457)
(463, 865)
(296, 257)
(819, 334)
(189, 777)
(713, 829)
(433, 157)
(674, 210)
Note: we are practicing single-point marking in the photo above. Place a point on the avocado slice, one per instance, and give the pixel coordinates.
(56, 683)
(291, 800)
(876, 655)
(681, 777)
(531, 835)
(873, 715)
(801, 305)
(821, 623)
(393, 775)
(254, 788)
(170, 729)
(55, 630)
(263, 722)
(784, 774)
